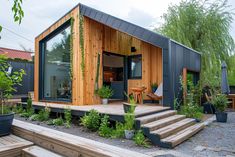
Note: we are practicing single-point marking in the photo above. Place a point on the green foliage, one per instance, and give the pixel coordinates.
(191, 110)
(91, 120)
(203, 26)
(44, 114)
(97, 73)
(8, 81)
(220, 102)
(71, 48)
(27, 113)
(140, 139)
(68, 117)
(231, 71)
(129, 119)
(18, 109)
(29, 104)
(18, 11)
(58, 121)
(104, 129)
(34, 117)
(154, 85)
(81, 39)
(118, 132)
(190, 106)
(105, 92)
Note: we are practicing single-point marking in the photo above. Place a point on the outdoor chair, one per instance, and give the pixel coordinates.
(157, 95)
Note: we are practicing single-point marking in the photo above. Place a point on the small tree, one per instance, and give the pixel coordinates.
(8, 81)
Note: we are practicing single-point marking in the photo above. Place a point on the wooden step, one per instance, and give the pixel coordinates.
(173, 128)
(163, 122)
(156, 116)
(36, 151)
(175, 139)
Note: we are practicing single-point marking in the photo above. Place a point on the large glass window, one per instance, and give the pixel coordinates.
(135, 67)
(56, 78)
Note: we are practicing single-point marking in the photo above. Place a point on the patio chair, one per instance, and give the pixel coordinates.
(157, 95)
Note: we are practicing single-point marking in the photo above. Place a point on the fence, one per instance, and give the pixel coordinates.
(28, 79)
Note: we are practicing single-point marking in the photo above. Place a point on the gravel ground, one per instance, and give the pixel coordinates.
(217, 139)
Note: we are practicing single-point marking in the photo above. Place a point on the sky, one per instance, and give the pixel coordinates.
(40, 14)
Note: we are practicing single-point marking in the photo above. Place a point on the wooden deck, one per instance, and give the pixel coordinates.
(114, 110)
(66, 144)
(11, 146)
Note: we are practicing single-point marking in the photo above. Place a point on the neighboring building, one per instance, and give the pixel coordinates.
(19, 59)
(13, 54)
(131, 56)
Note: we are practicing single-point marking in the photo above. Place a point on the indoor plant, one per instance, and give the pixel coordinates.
(154, 87)
(220, 102)
(7, 82)
(105, 92)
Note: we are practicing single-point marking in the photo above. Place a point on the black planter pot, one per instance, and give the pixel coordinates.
(221, 117)
(127, 107)
(6, 123)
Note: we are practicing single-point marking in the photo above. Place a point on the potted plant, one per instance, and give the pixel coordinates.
(129, 107)
(7, 83)
(220, 102)
(154, 87)
(105, 92)
(129, 119)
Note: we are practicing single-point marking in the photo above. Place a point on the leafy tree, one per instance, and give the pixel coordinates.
(203, 26)
(17, 11)
(231, 71)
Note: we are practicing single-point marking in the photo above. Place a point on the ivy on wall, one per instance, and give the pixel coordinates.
(81, 37)
(71, 48)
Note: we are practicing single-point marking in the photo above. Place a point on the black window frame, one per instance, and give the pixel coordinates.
(129, 66)
(42, 46)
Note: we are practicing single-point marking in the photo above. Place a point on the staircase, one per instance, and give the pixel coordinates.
(167, 129)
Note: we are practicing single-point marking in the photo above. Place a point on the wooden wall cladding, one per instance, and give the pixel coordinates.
(99, 38)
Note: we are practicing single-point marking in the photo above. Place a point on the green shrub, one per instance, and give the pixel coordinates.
(191, 111)
(58, 121)
(118, 132)
(129, 119)
(105, 92)
(104, 129)
(68, 117)
(220, 102)
(29, 104)
(18, 109)
(140, 139)
(44, 114)
(27, 113)
(91, 120)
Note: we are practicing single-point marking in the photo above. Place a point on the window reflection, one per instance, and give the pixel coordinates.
(57, 82)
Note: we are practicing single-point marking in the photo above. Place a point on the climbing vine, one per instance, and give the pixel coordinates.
(71, 48)
(81, 36)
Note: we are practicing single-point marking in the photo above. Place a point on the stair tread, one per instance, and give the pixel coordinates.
(183, 135)
(173, 126)
(164, 120)
(170, 128)
(156, 115)
(40, 152)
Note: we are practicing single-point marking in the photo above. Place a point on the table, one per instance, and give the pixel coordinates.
(138, 93)
(232, 97)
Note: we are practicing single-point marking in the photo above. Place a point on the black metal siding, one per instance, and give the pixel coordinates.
(182, 57)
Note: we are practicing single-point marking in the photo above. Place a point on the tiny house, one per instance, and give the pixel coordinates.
(87, 48)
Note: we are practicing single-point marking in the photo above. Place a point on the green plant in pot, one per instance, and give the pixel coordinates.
(129, 107)
(129, 119)
(220, 102)
(154, 87)
(105, 92)
(7, 82)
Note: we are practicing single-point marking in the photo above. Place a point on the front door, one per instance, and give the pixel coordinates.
(114, 74)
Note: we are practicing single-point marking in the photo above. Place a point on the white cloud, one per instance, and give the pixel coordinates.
(40, 14)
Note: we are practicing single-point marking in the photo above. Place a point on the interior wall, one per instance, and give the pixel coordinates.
(99, 38)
